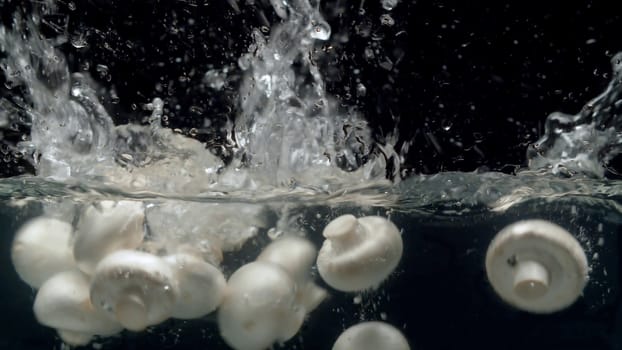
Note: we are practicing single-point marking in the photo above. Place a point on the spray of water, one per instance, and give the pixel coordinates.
(289, 134)
(583, 143)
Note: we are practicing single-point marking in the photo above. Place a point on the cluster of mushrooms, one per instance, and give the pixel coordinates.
(102, 277)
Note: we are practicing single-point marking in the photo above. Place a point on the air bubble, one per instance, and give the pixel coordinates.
(321, 31)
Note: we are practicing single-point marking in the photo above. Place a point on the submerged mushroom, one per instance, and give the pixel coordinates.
(42, 248)
(260, 307)
(371, 336)
(106, 227)
(536, 266)
(201, 286)
(63, 303)
(135, 288)
(296, 256)
(359, 254)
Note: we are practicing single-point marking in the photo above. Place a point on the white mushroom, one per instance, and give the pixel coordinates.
(42, 248)
(63, 303)
(260, 307)
(106, 227)
(359, 254)
(296, 256)
(135, 288)
(536, 266)
(201, 286)
(371, 336)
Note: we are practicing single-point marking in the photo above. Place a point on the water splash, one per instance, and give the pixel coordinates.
(289, 133)
(583, 143)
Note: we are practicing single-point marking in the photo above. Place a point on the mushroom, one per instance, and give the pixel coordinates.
(201, 286)
(208, 250)
(106, 227)
(41, 248)
(296, 256)
(63, 303)
(536, 266)
(260, 307)
(135, 288)
(371, 336)
(359, 254)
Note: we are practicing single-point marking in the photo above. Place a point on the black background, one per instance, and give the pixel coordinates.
(477, 78)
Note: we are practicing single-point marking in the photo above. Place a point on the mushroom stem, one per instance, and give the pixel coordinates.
(131, 312)
(74, 338)
(345, 231)
(531, 280)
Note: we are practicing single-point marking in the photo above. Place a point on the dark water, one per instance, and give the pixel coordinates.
(438, 296)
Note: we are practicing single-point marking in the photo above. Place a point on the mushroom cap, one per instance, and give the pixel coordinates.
(296, 255)
(293, 254)
(359, 254)
(63, 303)
(536, 266)
(371, 336)
(42, 248)
(135, 288)
(260, 307)
(106, 227)
(201, 286)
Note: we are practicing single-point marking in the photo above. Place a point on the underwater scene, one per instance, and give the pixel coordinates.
(305, 174)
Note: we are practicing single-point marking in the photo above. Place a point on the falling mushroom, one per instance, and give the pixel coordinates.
(296, 256)
(105, 227)
(135, 288)
(260, 308)
(371, 336)
(63, 303)
(536, 266)
(41, 249)
(201, 286)
(359, 254)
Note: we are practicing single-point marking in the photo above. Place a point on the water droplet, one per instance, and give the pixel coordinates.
(102, 70)
(387, 20)
(386, 64)
(389, 4)
(78, 40)
(321, 31)
(215, 79)
(361, 90)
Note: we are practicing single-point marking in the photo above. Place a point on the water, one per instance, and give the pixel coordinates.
(294, 161)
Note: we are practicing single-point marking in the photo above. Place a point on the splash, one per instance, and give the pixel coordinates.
(289, 134)
(583, 143)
